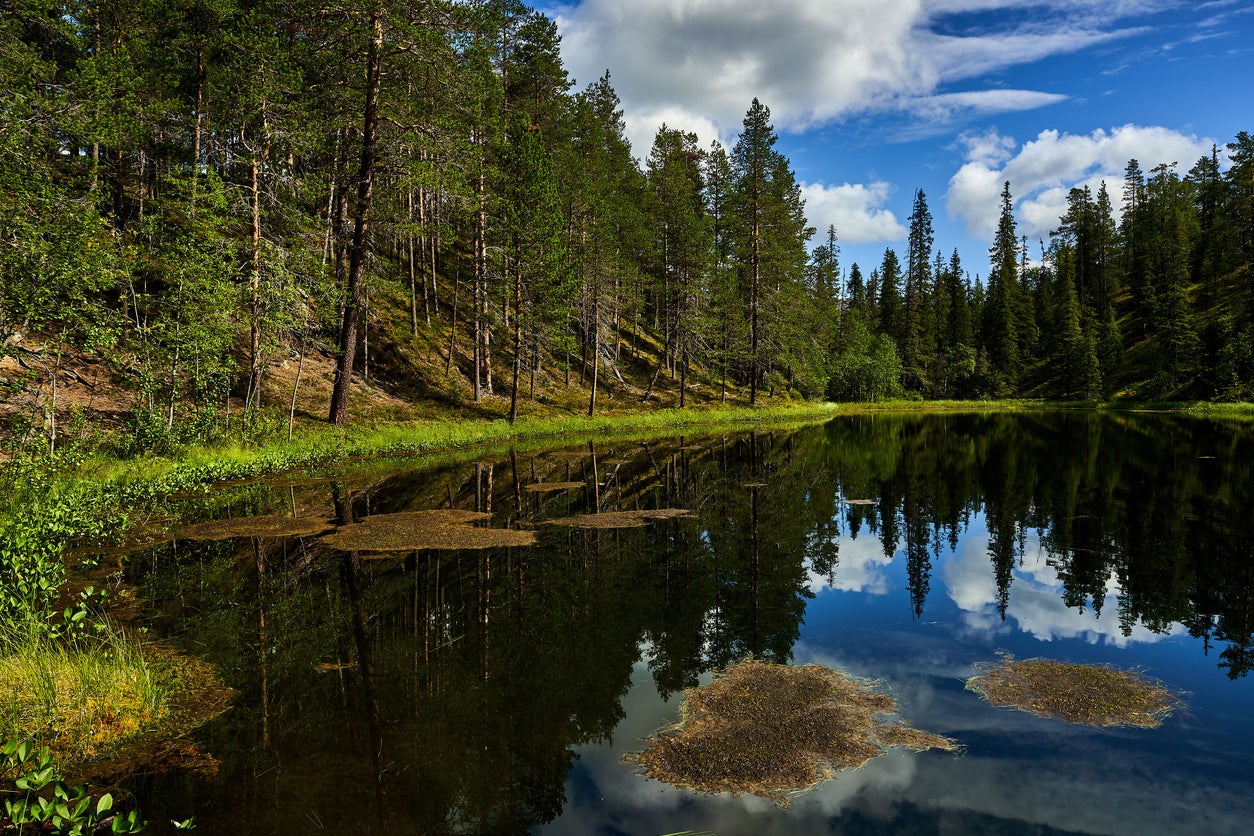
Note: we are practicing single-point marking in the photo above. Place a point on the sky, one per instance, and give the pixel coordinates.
(875, 99)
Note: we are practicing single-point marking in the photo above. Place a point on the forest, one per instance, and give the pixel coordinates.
(198, 190)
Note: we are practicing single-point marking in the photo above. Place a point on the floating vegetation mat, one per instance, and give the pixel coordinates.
(416, 530)
(268, 526)
(774, 730)
(545, 487)
(1091, 695)
(621, 519)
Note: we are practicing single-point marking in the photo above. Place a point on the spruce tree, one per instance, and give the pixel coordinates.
(1002, 312)
(918, 293)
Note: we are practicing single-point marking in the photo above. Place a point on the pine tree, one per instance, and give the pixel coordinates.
(753, 159)
(889, 298)
(1002, 324)
(683, 247)
(916, 304)
(353, 291)
(728, 315)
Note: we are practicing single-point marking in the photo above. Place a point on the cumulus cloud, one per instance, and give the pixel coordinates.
(701, 62)
(856, 209)
(1042, 171)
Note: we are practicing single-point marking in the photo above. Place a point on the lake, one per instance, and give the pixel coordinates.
(465, 690)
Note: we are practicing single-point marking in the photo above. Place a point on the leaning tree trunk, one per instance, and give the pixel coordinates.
(361, 225)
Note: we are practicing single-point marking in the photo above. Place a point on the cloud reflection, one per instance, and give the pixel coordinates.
(1036, 603)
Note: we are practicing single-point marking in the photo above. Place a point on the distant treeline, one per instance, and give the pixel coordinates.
(188, 182)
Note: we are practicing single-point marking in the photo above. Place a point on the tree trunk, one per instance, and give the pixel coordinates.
(413, 271)
(753, 312)
(518, 343)
(291, 412)
(254, 270)
(596, 356)
(361, 227)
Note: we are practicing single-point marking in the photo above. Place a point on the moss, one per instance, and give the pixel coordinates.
(621, 519)
(418, 530)
(772, 730)
(1091, 695)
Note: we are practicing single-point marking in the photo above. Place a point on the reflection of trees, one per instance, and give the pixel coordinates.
(1163, 504)
(459, 684)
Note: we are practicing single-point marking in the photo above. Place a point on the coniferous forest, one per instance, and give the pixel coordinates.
(193, 190)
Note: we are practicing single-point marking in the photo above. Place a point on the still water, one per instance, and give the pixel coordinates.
(495, 691)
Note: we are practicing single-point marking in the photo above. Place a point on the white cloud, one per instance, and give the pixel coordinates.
(944, 107)
(642, 127)
(856, 209)
(1042, 171)
(814, 61)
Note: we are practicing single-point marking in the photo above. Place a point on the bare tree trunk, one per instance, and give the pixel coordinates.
(200, 106)
(434, 241)
(291, 412)
(483, 331)
(361, 227)
(413, 271)
(254, 271)
(683, 375)
(753, 312)
(518, 343)
(452, 334)
(596, 356)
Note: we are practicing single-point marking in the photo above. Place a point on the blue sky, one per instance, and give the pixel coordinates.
(873, 99)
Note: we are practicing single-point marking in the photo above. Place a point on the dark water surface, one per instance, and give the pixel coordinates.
(496, 691)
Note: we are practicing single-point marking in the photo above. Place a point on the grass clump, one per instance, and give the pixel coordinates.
(101, 697)
(774, 730)
(1091, 695)
(419, 530)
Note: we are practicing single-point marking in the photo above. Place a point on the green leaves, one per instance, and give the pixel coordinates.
(51, 805)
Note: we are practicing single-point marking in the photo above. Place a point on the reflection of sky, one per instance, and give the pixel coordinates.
(863, 568)
(1036, 604)
(1019, 773)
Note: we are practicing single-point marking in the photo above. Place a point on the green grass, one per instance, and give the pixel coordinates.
(95, 697)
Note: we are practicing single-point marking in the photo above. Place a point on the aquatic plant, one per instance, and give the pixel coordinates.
(42, 802)
(773, 730)
(621, 519)
(1091, 695)
(103, 695)
(445, 529)
(263, 526)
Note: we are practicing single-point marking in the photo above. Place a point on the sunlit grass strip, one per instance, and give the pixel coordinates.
(775, 730)
(93, 698)
(1091, 695)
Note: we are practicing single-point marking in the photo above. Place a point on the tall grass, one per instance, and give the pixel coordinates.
(87, 696)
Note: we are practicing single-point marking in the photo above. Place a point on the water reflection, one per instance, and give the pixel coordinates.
(436, 691)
